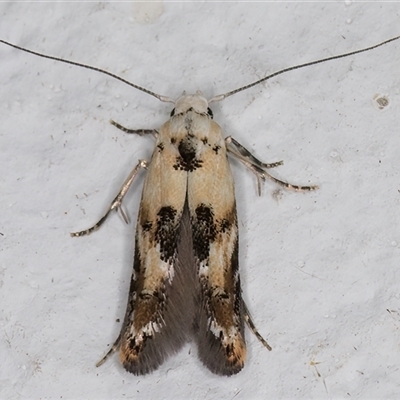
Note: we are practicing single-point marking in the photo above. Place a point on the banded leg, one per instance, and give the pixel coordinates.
(110, 352)
(116, 203)
(250, 324)
(246, 154)
(140, 132)
(257, 167)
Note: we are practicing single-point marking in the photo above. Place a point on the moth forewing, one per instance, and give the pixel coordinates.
(212, 210)
(156, 319)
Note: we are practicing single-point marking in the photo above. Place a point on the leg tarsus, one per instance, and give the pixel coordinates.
(95, 227)
(250, 324)
(110, 352)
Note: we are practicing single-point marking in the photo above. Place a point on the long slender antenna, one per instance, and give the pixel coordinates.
(225, 95)
(158, 96)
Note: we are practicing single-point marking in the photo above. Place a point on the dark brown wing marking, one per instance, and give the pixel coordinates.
(220, 326)
(158, 323)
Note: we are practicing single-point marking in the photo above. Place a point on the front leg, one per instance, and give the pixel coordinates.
(140, 132)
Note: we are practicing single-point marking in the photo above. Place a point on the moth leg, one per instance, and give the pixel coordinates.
(250, 324)
(116, 203)
(140, 132)
(246, 154)
(256, 166)
(110, 352)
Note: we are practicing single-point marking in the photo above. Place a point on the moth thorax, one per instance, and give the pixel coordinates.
(196, 102)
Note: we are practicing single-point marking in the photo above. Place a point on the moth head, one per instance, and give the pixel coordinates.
(195, 102)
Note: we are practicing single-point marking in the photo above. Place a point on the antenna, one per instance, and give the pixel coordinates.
(225, 95)
(158, 96)
(215, 98)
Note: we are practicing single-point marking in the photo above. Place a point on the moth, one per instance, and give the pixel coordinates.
(185, 283)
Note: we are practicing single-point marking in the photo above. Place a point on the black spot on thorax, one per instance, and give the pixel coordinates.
(187, 159)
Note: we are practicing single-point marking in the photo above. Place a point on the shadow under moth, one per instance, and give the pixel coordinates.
(185, 283)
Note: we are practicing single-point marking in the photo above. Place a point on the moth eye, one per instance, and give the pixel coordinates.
(210, 113)
(172, 113)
